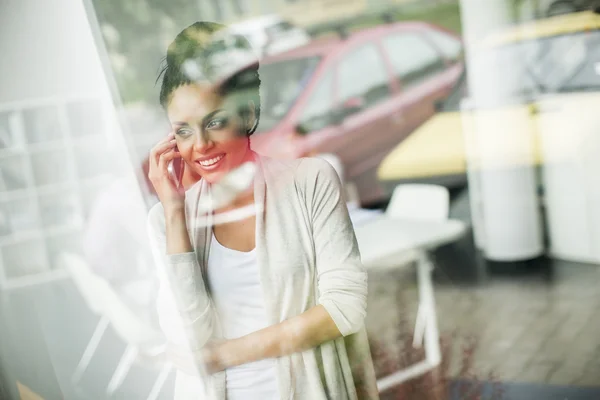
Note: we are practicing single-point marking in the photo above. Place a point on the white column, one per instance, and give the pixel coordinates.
(501, 168)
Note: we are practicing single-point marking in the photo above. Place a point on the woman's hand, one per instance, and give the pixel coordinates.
(170, 193)
(190, 361)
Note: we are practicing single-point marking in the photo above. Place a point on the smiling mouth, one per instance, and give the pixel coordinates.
(211, 161)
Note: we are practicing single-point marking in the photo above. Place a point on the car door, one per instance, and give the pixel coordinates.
(423, 74)
(361, 115)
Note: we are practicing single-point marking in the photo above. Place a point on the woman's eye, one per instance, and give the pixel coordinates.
(217, 123)
(184, 131)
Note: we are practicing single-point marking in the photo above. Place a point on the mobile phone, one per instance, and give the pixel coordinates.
(176, 168)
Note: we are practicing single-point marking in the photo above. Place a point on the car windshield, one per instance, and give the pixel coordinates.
(559, 64)
(563, 63)
(281, 84)
(568, 63)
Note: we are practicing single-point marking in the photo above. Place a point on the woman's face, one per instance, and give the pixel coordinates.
(208, 131)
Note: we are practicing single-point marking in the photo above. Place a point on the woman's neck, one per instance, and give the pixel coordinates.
(246, 197)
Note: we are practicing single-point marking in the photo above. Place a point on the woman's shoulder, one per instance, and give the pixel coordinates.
(301, 169)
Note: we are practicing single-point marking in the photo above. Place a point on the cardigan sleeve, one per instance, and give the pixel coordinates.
(183, 303)
(342, 279)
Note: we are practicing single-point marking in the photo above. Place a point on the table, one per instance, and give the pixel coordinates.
(384, 239)
(386, 242)
(360, 216)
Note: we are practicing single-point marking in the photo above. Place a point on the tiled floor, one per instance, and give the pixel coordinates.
(535, 327)
(541, 327)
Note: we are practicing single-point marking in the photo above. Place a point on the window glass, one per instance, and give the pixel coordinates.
(450, 46)
(316, 114)
(362, 76)
(413, 59)
(282, 82)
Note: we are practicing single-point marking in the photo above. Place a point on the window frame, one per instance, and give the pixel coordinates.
(328, 72)
(392, 84)
(433, 31)
(419, 33)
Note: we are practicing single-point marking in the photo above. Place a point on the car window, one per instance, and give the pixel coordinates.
(448, 45)
(278, 28)
(362, 76)
(316, 114)
(412, 58)
(282, 82)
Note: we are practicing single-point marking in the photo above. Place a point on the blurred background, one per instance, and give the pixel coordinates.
(465, 132)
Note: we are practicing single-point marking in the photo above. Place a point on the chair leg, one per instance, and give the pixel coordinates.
(90, 350)
(160, 381)
(125, 363)
(431, 333)
(419, 328)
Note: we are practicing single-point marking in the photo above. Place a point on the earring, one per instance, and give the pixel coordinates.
(251, 130)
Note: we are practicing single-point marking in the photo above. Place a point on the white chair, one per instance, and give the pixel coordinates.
(430, 203)
(419, 201)
(141, 339)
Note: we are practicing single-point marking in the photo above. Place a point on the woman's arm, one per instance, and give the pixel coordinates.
(342, 282)
(177, 236)
(183, 304)
(305, 331)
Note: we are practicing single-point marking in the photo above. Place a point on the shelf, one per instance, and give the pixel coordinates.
(10, 123)
(42, 124)
(21, 215)
(35, 148)
(66, 242)
(37, 279)
(51, 189)
(97, 140)
(54, 188)
(51, 168)
(55, 158)
(13, 152)
(34, 234)
(25, 258)
(17, 194)
(14, 173)
(60, 209)
(63, 230)
(20, 237)
(53, 145)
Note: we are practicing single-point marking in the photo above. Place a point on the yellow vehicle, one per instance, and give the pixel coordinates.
(556, 91)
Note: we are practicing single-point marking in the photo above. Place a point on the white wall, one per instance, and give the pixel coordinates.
(47, 50)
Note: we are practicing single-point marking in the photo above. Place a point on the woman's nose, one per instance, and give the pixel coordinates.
(202, 142)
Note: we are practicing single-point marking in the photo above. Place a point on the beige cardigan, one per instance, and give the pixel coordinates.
(307, 254)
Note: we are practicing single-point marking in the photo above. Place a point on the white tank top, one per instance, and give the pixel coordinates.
(238, 297)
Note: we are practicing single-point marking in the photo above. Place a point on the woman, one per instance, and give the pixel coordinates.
(269, 306)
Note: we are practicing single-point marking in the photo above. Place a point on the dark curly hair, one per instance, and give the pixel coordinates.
(188, 61)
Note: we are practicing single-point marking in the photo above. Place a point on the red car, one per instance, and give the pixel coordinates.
(356, 96)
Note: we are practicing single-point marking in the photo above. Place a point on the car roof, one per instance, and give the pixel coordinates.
(553, 26)
(324, 46)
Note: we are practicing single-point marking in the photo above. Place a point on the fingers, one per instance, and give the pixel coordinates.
(160, 156)
(181, 173)
(170, 138)
(161, 147)
(165, 158)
